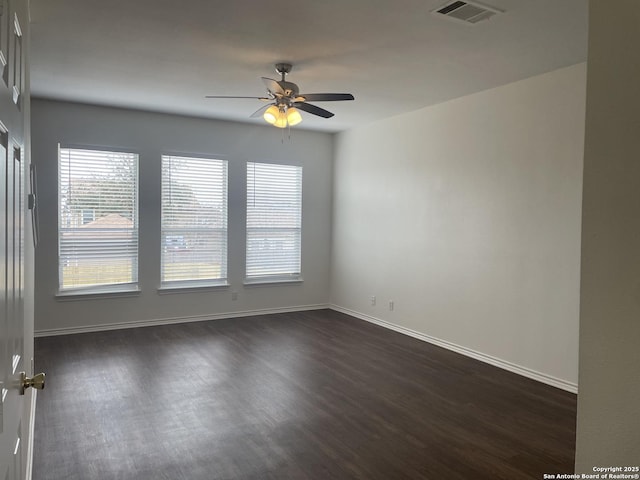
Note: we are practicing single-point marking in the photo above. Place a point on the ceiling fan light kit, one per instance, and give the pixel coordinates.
(286, 103)
(282, 117)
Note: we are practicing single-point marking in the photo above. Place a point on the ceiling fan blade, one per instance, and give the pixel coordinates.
(326, 97)
(307, 107)
(260, 111)
(264, 99)
(273, 86)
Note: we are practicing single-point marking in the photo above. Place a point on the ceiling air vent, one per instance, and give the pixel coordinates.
(466, 12)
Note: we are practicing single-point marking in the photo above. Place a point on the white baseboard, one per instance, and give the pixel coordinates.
(483, 357)
(167, 321)
(31, 428)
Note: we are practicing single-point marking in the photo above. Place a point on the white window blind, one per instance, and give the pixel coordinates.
(194, 220)
(98, 219)
(274, 221)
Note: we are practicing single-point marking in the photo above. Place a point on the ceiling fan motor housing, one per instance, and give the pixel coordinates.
(290, 89)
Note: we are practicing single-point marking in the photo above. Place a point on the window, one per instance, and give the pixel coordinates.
(194, 221)
(98, 220)
(274, 220)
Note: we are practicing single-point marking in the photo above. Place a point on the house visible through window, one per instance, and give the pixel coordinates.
(274, 222)
(98, 220)
(194, 221)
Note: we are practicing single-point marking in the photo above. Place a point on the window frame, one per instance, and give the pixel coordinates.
(275, 278)
(100, 290)
(187, 285)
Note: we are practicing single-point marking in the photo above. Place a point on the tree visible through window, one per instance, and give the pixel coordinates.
(194, 220)
(98, 219)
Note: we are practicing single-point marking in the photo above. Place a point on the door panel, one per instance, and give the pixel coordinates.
(4, 322)
(13, 363)
(15, 349)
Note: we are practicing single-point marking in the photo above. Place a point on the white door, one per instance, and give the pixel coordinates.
(16, 346)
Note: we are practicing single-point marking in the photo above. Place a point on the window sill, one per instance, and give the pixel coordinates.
(187, 287)
(96, 293)
(250, 282)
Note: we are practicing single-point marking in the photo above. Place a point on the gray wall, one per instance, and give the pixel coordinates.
(150, 135)
(467, 215)
(608, 431)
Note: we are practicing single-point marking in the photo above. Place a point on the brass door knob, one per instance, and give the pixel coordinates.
(37, 381)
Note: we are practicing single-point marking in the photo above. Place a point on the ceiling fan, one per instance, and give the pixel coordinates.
(285, 101)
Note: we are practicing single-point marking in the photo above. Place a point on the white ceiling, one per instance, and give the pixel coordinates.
(393, 55)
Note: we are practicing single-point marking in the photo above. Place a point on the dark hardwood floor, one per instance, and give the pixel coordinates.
(310, 395)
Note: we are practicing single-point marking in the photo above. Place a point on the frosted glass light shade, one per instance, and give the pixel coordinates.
(293, 116)
(271, 114)
(281, 121)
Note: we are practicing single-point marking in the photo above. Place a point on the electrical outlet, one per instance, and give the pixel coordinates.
(373, 300)
(391, 305)
(234, 295)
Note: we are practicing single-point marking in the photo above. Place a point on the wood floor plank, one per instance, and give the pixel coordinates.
(309, 395)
